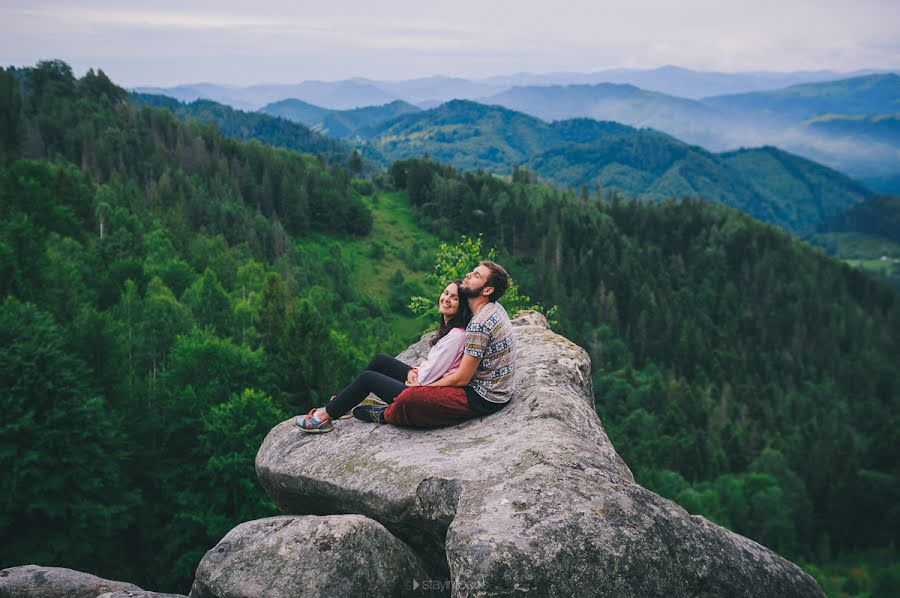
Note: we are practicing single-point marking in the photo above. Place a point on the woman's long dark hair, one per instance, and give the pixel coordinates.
(459, 320)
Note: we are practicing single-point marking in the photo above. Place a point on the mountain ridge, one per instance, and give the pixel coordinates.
(640, 162)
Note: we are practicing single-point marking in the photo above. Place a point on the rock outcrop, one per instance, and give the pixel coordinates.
(533, 500)
(139, 594)
(33, 581)
(285, 557)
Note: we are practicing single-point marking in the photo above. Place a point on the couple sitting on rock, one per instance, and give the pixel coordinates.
(469, 370)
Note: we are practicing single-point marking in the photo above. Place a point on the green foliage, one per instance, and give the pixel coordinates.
(264, 128)
(453, 262)
(151, 273)
(62, 450)
(228, 441)
(879, 216)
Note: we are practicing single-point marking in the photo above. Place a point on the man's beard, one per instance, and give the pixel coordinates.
(468, 293)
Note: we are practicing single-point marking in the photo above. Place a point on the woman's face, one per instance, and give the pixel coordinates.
(449, 303)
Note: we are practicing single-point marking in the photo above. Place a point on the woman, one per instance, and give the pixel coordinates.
(388, 377)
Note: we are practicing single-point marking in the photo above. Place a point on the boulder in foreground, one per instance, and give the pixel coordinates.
(285, 557)
(33, 581)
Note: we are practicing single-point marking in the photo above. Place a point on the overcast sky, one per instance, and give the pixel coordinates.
(168, 42)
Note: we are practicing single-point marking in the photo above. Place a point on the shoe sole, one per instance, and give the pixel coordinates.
(316, 430)
(368, 420)
(365, 402)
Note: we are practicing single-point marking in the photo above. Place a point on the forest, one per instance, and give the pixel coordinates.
(169, 293)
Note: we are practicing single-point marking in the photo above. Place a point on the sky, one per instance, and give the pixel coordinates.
(167, 42)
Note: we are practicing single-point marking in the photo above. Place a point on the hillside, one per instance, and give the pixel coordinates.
(296, 110)
(866, 236)
(872, 94)
(338, 123)
(686, 119)
(845, 124)
(250, 125)
(877, 128)
(161, 285)
(771, 185)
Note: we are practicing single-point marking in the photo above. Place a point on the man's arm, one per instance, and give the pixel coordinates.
(462, 376)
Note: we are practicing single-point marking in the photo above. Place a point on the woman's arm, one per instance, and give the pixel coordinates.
(442, 356)
(462, 376)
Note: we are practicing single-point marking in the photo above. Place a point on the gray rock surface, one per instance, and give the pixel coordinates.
(533, 500)
(284, 557)
(33, 581)
(139, 594)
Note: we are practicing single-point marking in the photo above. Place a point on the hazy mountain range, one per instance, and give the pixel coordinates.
(429, 91)
(851, 125)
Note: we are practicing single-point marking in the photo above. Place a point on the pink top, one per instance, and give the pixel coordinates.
(444, 358)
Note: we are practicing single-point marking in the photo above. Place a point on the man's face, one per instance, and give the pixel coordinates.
(474, 282)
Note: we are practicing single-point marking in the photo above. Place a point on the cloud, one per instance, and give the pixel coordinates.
(172, 41)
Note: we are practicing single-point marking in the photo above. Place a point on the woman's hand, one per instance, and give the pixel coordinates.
(412, 378)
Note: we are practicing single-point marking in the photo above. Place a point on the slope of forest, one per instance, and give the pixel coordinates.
(159, 313)
(338, 123)
(771, 185)
(265, 128)
(867, 236)
(169, 293)
(873, 128)
(685, 119)
(871, 94)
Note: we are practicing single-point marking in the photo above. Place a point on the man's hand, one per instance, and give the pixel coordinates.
(412, 378)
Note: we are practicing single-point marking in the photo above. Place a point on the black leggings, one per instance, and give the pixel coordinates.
(384, 376)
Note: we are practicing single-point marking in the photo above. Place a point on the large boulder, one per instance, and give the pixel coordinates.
(139, 594)
(531, 500)
(284, 557)
(33, 581)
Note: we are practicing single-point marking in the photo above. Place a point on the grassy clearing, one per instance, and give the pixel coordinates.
(396, 244)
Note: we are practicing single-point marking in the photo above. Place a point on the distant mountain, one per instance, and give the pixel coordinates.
(820, 121)
(465, 134)
(436, 89)
(430, 91)
(767, 183)
(686, 119)
(338, 123)
(297, 111)
(249, 125)
(337, 95)
(873, 94)
(877, 128)
(236, 97)
(677, 81)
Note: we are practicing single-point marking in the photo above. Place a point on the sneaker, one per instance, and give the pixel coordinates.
(366, 401)
(310, 423)
(369, 413)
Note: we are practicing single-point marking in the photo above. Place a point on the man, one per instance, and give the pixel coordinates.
(485, 380)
